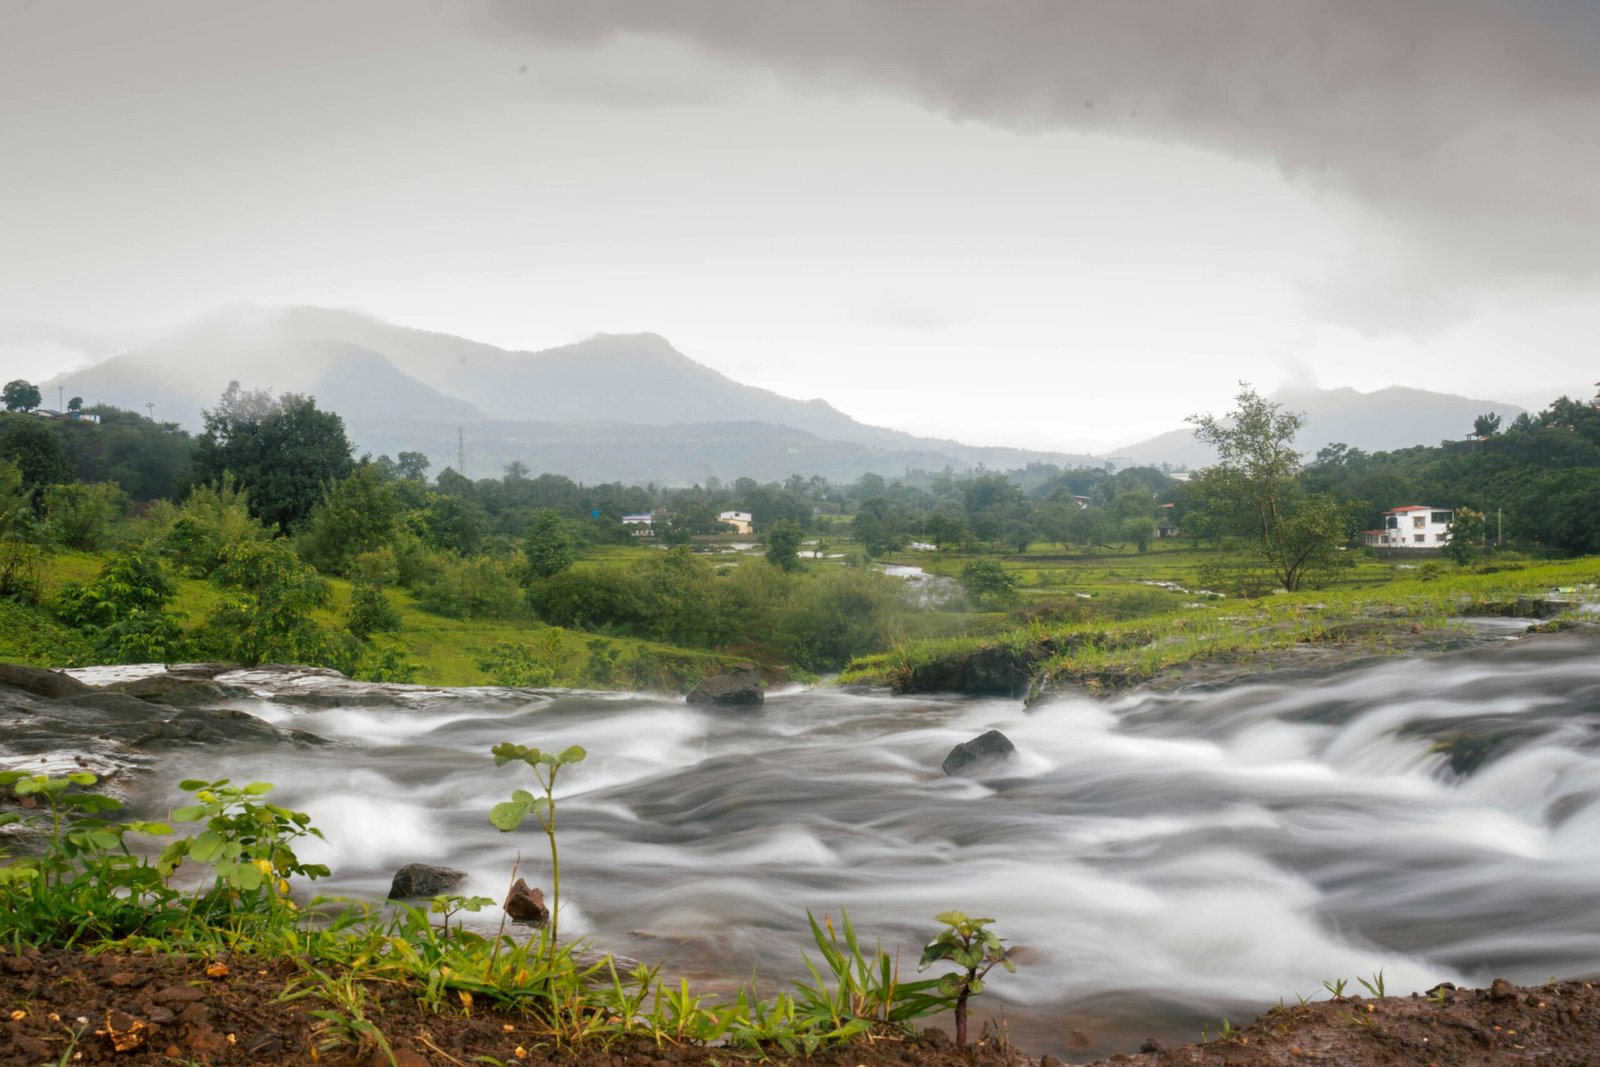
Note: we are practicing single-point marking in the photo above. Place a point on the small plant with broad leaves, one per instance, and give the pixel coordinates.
(87, 883)
(975, 950)
(508, 815)
(247, 841)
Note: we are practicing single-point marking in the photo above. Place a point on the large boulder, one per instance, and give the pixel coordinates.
(176, 690)
(740, 687)
(991, 747)
(424, 880)
(40, 682)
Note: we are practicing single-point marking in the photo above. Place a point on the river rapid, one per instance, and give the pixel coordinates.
(1161, 859)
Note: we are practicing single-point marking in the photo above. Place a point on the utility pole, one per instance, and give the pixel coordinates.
(1499, 527)
(461, 454)
(60, 404)
(149, 405)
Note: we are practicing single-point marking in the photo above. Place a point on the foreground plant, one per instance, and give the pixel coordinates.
(971, 946)
(508, 815)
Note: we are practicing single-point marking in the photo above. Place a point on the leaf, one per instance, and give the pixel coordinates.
(189, 814)
(204, 848)
(189, 785)
(574, 754)
(81, 778)
(256, 789)
(508, 815)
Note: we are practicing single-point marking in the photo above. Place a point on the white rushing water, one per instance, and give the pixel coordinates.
(1160, 859)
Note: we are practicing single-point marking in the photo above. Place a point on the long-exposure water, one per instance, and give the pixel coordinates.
(1161, 858)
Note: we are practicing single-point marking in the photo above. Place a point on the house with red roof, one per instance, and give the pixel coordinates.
(1414, 526)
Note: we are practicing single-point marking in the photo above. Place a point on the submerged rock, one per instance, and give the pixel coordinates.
(424, 880)
(525, 903)
(740, 687)
(990, 747)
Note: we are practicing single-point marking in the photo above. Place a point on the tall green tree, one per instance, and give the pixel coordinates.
(20, 395)
(783, 545)
(1253, 492)
(282, 451)
(547, 545)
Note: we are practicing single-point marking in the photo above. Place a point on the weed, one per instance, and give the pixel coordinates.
(974, 949)
(1335, 987)
(508, 815)
(1375, 987)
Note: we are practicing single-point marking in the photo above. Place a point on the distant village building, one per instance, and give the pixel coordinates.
(1166, 525)
(643, 523)
(1412, 527)
(741, 521)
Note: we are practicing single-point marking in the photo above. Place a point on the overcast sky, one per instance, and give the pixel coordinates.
(1050, 223)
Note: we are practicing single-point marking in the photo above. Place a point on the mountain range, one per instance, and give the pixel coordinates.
(620, 407)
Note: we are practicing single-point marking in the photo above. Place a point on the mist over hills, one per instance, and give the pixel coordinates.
(626, 407)
(1380, 421)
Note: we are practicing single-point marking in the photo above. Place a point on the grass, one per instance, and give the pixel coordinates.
(1171, 628)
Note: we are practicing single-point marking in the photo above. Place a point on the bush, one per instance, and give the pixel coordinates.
(840, 614)
(124, 611)
(214, 519)
(475, 588)
(81, 514)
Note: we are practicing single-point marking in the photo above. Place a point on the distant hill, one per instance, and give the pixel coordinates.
(613, 407)
(1380, 421)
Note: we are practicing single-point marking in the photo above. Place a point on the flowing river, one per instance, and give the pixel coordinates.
(1161, 859)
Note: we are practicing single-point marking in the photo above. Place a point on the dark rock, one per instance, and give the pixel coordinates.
(1000, 670)
(526, 904)
(1151, 1045)
(176, 690)
(266, 1043)
(16, 964)
(40, 682)
(993, 745)
(198, 726)
(1500, 989)
(160, 1016)
(424, 880)
(741, 687)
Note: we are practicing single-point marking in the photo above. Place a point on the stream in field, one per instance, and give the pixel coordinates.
(1161, 859)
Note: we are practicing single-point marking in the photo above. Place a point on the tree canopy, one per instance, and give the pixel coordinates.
(283, 451)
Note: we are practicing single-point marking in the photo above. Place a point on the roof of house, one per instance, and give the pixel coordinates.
(1413, 507)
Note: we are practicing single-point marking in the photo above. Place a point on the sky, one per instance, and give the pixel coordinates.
(1057, 224)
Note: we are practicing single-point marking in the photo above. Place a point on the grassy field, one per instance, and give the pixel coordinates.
(1096, 615)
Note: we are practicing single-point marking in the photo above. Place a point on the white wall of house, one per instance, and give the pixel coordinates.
(1413, 526)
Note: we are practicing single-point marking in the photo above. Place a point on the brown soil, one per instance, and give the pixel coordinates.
(65, 1007)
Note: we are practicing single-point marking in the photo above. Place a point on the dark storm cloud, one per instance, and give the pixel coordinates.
(1469, 126)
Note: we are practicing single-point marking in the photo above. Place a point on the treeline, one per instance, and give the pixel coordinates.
(1536, 482)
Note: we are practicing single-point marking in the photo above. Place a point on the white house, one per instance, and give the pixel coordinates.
(741, 521)
(1413, 526)
(643, 523)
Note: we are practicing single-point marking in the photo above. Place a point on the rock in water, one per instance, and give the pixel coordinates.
(526, 904)
(424, 880)
(993, 745)
(741, 687)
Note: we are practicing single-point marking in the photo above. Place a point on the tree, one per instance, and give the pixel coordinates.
(34, 446)
(1468, 530)
(75, 404)
(547, 546)
(21, 395)
(987, 583)
(412, 466)
(1486, 425)
(783, 545)
(125, 610)
(283, 452)
(1252, 491)
(359, 514)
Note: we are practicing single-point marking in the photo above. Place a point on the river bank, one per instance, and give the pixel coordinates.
(111, 1008)
(1163, 857)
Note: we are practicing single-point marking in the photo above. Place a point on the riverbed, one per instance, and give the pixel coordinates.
(1162, 859)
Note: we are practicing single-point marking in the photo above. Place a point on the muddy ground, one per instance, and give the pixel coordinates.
(62, 1007)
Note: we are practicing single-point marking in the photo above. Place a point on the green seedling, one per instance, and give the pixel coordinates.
(508, 815)
(1375, 987)
(972, 947)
